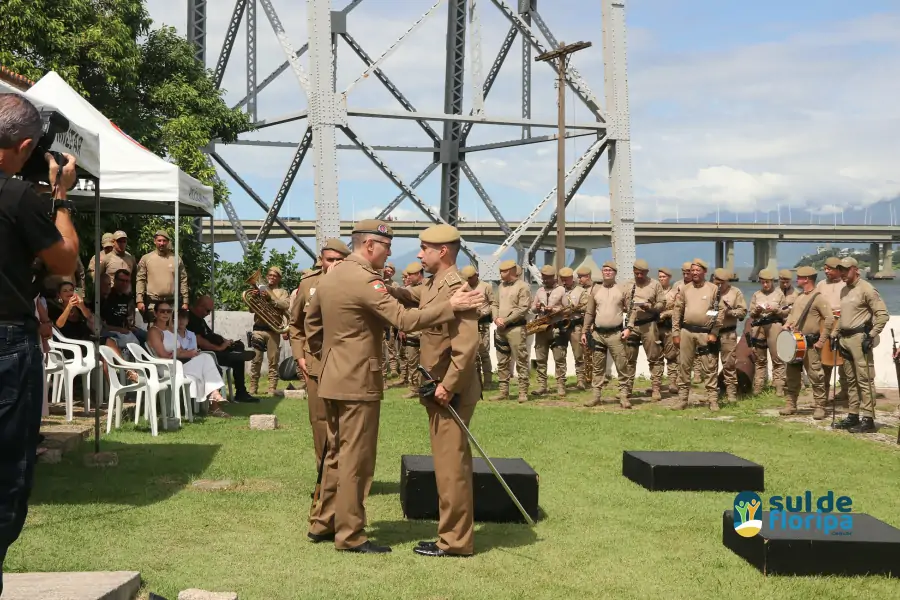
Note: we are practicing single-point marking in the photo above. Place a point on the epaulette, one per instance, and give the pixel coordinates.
(311, 273)
(453, 279)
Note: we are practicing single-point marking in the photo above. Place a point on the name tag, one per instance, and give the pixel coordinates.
(712, 313)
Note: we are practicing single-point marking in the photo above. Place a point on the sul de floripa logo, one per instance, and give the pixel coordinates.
(748, 513)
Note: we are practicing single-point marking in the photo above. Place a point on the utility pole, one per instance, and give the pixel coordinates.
(561, 57)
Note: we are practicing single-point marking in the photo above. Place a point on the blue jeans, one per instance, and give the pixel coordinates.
(21, 391)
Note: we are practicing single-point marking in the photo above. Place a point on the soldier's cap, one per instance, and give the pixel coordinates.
(375, 227)
(507, 264)
(666, 270)
(785, 274)
(641, 265)
(685, 267)
(722, 274)
(548, 270)
(833, 261)
(767, 274)
(107, 240)
(583, 270)
(440, 234)
(468, 271)
(611, 265)
(274, 269)
(566, 272)
(848, 262)
(700, 263)
(390, 266)
(162, 233)
(413, 268)
(336, 245)
(119, 235)
(806, 272)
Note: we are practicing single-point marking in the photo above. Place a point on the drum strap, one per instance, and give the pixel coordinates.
(805, 312)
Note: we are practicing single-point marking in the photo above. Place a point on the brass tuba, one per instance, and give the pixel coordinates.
(263, 308)
(562, 319)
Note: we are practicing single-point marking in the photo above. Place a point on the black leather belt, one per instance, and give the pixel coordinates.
(728, 329)
(665, 324)
(766, 321)
(607, 330)
(695, 328)
(639, 322)
(853, 331)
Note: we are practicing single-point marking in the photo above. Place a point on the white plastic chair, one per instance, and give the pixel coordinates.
(157, 382)
(117, 389)
(54, 369)
(83, 363)
(182, 383)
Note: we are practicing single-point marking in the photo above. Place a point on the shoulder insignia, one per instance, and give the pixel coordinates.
(379, 286)
(453, 280)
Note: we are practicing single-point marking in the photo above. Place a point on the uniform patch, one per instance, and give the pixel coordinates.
(312, 292)
(379, 287)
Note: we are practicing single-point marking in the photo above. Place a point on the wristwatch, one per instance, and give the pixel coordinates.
(64, 205)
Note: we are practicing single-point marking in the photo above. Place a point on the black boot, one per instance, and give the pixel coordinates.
(847, 422)
(866, 425)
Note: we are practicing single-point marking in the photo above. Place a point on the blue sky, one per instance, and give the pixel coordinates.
(734, 105)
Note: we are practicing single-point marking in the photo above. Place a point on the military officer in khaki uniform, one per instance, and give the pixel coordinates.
(863, 317)
(603, 319)
(448, 354)
(831, 288)
(576, 298)
(510, 310)
(733, 307)
(107, 244)
(391, 336)
(410, 342)
(333, 252)
(695, 327)
(119, 258)
(669, 351)
(586, 281)
(810, 315)
(483, 361)
(344, 324)
(156, 278)
(786, 283)
(646, 300)
(767, 314)
(547, 301)
(264, 336)
(686, 277)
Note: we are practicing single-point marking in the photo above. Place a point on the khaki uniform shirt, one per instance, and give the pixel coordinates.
(548, 298)
(281, 300)
(576, 298)
(297, 331)
(861, 303)
(772, 302)
(671, 294)
(113, 262)
(155, 277)
(512, 302)
(652, 293)
(412, 334)
(605, 306)
(91, 265)
(738, 311)
(789, 297)
(819, 319)
(344, 325)
(693, 305)
(485, 311)
(831, 292)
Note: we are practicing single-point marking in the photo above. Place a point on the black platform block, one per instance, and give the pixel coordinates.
(693, 471)
(871, 548)
(419, 498)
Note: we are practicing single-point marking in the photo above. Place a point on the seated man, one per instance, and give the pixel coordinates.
(117, 312)
(229, 353)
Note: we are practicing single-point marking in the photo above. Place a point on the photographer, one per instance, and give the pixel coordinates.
(30, 227)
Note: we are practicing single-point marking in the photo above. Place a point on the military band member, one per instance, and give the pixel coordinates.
(669, 351)
(333, 252)
(410, 342)
(547, 301)
(733, 307)
(576, 298)
(810, 315)
(646, 300)
(695, 330)
(344, 324)
(264, 337)
(863, 317)
(156, 278)
(766, 317)
(686, 277)
(483, 361)
(786, 283)
(510, 310)
(604, 330)
(831, 288)
(586, 281)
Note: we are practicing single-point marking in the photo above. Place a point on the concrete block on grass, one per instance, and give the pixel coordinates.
(194, 594)
(101, 459)
(51, 456)
(116, 585)
(263, 422)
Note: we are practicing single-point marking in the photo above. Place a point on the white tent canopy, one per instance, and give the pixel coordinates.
(132, 179)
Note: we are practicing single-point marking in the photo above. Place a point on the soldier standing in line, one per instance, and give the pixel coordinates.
(547, 301)
(646, 300)
(603, 322)
(831, 288)
(264, 337)
(510, 310)
(695, 327)
(576, 298)
(863, 317)
(733, 307)
(411, 342)
(670, 352)
(483, 361)
(333, 252)
(767, 314)
(119, 258)
(585, 281)
(156, 278)
(810, 315)
(686, 277)
(107, 244)
(786, 283)
(391, 335)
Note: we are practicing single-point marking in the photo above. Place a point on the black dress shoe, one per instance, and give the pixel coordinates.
(865, 425)
(368, 547)
(435, 551)
(847, 422)
(426, 544)
(320, 537)
(245, 398)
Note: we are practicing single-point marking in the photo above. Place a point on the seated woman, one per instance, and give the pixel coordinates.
(199, 368)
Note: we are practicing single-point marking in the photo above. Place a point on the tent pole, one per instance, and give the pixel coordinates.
(176, 391)
(212, 283)
(98, 372)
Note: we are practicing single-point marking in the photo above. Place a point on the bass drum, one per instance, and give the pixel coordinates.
(790, 346)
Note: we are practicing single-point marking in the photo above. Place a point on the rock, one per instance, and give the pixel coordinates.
(51, 456)
(194, 594)
(117, 585)
(169, 424)
(212, 485)
(101, 459)
(263, 422)
(299, 394)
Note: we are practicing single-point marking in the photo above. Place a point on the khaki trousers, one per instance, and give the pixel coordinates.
(812, 364)
(273, 350)
(670, 354)
(318, 419)
(760, 355)
(578, 353)
(483, 358)
(728, 342)
(842, 378)
(645, 335)
(613, 344)
(349, 469)
(515, 336)
(708, 371)
(412, 362)
(542, 351)
(860, 373)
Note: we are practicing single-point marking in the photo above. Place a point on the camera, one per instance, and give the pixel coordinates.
(53, 124)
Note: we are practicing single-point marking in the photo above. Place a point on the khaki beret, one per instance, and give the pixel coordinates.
(468, 271)
(336, 245)
(723, 274)
(766, 274)
(390, 266)
(507, 265)
(107, 240)
(566, 272)
(785, 274)
(583, 270)
(413, 268)
(440, 234)
(119, 235)
(375, 227)
(700, 263)
(848, 262)
(833, 261)
(806, 272)
(161, 233)
(641, 265)
(274, 269)
(548, 270)
(611, 265)
(666, 270)
(685, 267)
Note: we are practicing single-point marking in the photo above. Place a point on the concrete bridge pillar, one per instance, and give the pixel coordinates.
(580, 255)
(765, 256)
(729, 258)
(772, 255)
(887, 260)
(757, 260)
(874, 260)
(720, 254)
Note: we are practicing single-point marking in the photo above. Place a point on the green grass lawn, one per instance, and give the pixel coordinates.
(602, 536)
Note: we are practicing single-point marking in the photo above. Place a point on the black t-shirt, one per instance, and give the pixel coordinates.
(76, 329)
(115, 309)
(201, 329)
(26, 228)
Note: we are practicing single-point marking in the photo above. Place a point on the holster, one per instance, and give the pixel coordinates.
(710, 348)
(634, 341)
(502, 346)
(560, 338)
